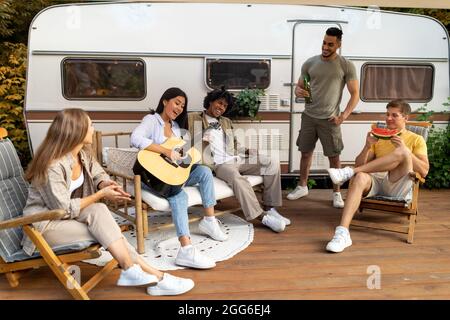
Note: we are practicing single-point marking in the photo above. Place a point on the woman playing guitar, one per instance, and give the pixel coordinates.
(169, 119)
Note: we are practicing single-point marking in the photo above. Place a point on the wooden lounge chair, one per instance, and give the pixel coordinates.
(409, 209)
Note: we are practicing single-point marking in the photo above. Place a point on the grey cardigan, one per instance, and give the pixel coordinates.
(54, 194)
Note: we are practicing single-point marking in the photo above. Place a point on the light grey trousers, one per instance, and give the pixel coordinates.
(95, 222)
(269, 167)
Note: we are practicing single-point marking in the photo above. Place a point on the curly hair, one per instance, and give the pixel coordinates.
(218, 94)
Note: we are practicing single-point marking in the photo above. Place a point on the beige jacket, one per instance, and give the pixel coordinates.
(198, 124)
(55, 193)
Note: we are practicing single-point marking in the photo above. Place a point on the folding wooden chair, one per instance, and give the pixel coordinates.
(14, 262)
(403, 208)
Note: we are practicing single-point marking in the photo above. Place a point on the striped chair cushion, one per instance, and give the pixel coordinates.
(13, 196)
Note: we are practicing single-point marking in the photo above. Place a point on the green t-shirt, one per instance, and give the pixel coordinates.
(327, 80)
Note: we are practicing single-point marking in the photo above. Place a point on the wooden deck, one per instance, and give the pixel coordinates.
(295, 265)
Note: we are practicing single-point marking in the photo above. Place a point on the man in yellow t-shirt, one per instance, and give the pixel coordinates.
(382, 168)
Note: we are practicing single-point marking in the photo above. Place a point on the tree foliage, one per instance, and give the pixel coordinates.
(438, 145)
(6, 17)
(16, 17)
(12, 93)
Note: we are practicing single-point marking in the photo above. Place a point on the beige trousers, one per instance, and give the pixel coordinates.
(95, 222)
(268, 167)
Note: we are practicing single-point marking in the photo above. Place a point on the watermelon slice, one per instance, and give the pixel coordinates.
(384, 133)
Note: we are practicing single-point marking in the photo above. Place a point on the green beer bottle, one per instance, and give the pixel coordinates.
(307, 87)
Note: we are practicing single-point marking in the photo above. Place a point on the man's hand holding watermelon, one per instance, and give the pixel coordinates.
(399, 143)
(370, 140)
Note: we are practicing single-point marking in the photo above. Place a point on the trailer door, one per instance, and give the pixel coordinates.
(307, 40)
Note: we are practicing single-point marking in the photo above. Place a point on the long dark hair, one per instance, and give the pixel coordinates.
(170, 94)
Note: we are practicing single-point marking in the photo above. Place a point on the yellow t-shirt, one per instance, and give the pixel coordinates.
(414, 142)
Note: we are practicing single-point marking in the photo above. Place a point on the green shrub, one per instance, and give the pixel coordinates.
(438, 145)
(12, 92)
(439, 157)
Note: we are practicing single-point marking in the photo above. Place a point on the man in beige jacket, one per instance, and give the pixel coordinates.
(229, 160)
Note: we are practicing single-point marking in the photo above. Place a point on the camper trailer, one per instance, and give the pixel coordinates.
(116, 59)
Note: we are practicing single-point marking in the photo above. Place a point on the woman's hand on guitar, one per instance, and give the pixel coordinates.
(174, 155)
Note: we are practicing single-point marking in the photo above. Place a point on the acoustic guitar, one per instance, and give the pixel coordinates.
(162, 175)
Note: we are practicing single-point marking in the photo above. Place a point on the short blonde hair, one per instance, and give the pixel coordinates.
(404, 106)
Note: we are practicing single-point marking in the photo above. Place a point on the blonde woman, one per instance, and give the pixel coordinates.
(64, 174)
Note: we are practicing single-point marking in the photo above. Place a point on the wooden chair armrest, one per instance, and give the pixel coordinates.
(113, 134)
(41, 216)
(417, 177)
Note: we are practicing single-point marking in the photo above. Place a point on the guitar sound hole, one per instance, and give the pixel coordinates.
(185, 162)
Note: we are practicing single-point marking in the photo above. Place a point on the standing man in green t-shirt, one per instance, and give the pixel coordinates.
(328, 73)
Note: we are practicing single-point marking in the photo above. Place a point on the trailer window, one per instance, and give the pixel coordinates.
(385, 82)
(237, 74)
(103, 79)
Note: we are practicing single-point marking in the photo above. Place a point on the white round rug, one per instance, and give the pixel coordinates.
(161, 247)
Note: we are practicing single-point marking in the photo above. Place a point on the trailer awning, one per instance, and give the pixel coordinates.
(438, 4)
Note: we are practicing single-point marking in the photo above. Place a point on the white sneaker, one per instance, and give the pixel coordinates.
(297, 193)
(276, 214)
(273, 223)
(212, 229)
(340, 241)
(135, 276)
(193, 258)
(339, 176)
(337, 200)
(170, 286)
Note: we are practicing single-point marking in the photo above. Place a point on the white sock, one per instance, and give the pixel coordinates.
(210, 218)
(123, 270)
(185, 248)
(344, 229)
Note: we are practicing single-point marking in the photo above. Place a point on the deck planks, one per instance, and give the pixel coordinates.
(295, 265)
